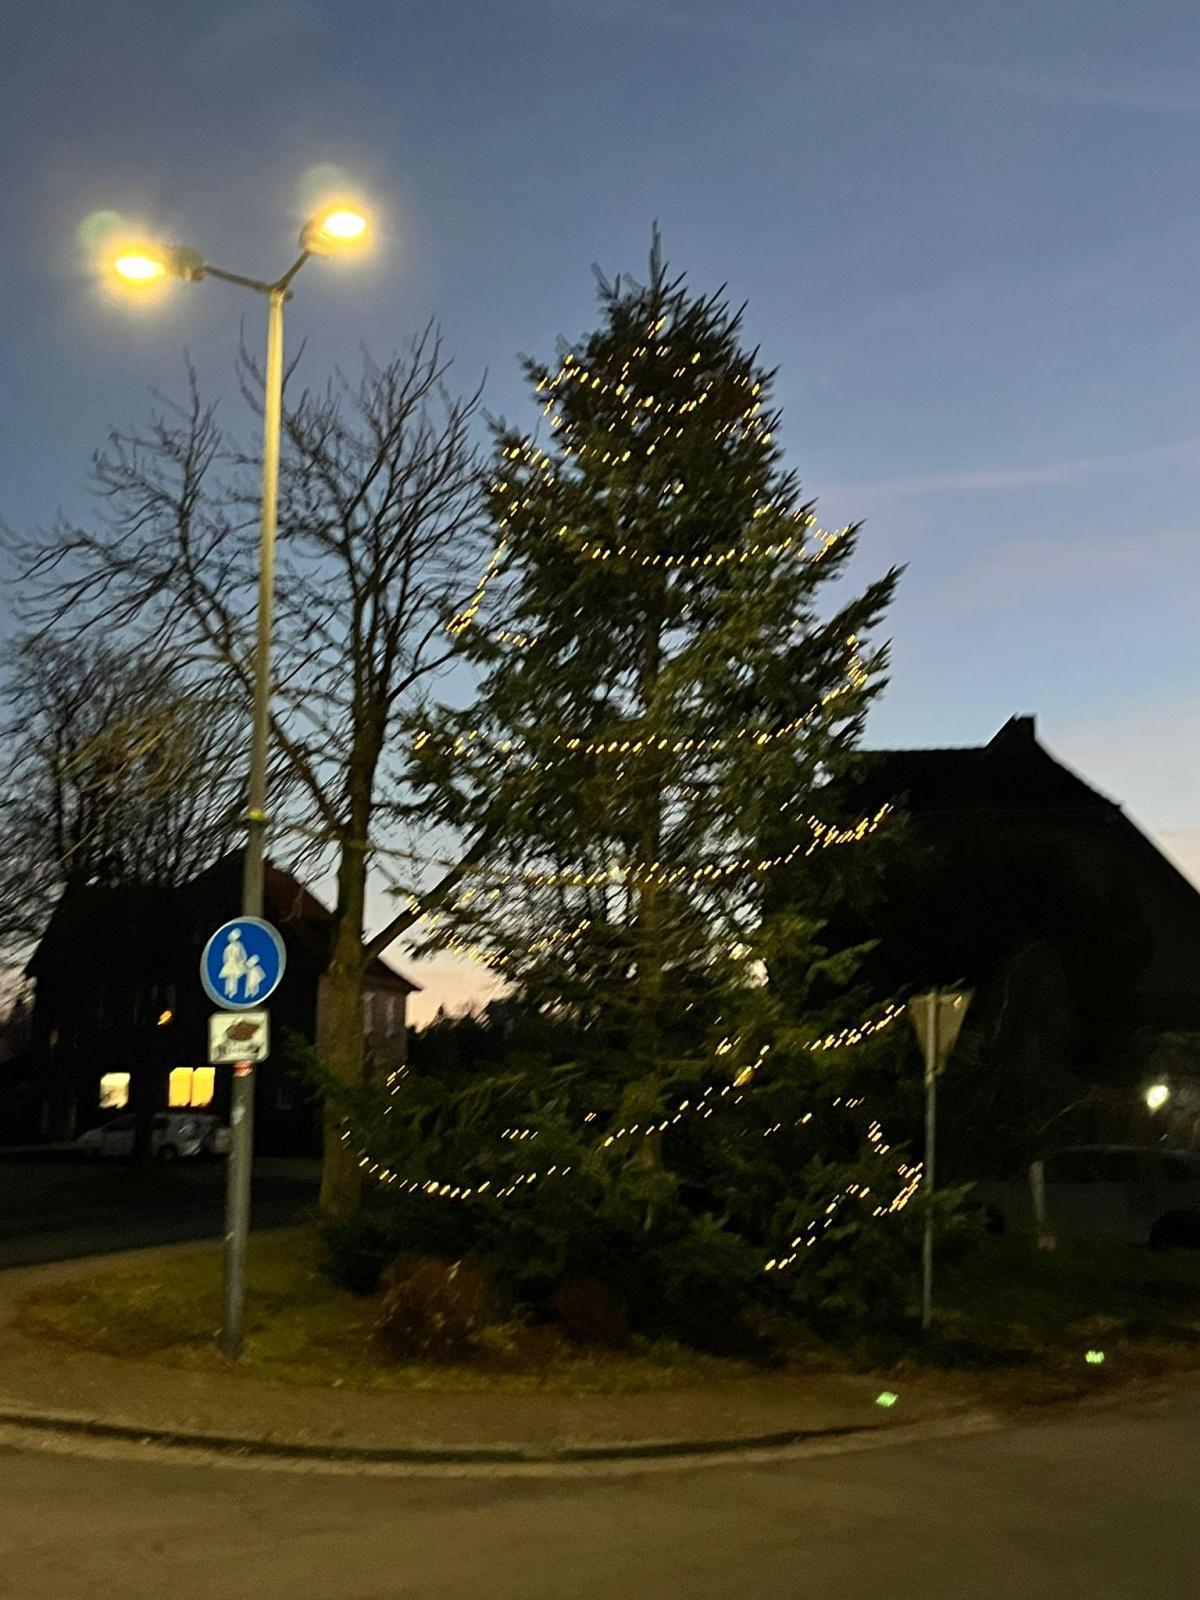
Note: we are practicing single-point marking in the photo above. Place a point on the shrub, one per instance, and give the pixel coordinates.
(432, 1310)
(592, 1314)
(357, 1249)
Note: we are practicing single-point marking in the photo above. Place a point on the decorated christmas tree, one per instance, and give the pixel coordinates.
(667, 703)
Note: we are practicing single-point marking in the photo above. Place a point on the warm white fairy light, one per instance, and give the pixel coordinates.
(856, 679)
(463, 619)
(852, 1036)
(736, 555)
(701, 1106)
(824, 835)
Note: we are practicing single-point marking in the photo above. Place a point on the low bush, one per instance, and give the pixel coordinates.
(433, 1310)
(590, 1314)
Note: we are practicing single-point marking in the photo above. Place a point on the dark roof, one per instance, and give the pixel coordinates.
(1011, 773)
(306, 919)
(309, 920)
(156, 909)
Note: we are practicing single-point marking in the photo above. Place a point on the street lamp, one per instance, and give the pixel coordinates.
(336, 230)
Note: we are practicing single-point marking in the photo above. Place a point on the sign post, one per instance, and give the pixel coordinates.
(240, 968)
(937, 1017)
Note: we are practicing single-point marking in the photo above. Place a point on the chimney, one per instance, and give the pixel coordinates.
(1017, 730)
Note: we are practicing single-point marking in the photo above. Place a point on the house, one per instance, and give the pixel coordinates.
(119, 1013)
(1012, 876)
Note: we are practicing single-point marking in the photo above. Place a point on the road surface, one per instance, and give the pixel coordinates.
(1084, 1507)
(53, 1209)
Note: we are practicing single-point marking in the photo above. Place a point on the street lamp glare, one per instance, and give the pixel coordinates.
(344, 226)
(337, 229)
(1157, 1096)
(135, 266)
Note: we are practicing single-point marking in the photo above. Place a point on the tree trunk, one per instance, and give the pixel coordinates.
(649, 895)
(340, 1047)
(340, 1042)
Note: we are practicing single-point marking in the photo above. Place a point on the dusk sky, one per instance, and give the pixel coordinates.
(968, 235)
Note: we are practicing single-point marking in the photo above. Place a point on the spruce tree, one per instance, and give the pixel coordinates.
(667, 703)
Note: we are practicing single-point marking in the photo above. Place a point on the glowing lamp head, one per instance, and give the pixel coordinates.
(340, 229)
(1157, 1096)
(140, 266)
(344, 226)
(137, 267)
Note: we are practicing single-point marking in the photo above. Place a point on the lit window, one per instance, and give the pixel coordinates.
(190, 1086)
(114, 1091)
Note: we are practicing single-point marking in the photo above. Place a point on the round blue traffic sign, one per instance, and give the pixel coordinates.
(242, 964)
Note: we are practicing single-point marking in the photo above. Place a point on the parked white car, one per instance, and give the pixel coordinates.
(174, 1135)
(1143, 1194)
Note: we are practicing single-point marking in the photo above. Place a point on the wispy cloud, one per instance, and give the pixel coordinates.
(240, 33)
(1116, 87)
(983, 479)
(689, 16)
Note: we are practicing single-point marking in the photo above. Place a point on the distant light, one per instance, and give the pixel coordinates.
(1157, 1095)
(1094, 1358)
(887, 1399)
(344, 226)
(164, 1017)
(137, 268)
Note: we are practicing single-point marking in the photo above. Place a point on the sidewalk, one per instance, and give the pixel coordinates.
(47, 1384)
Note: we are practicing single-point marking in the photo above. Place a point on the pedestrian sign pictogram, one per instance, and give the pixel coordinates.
(242, 964)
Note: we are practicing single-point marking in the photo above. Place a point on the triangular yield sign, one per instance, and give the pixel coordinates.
(951, 1009)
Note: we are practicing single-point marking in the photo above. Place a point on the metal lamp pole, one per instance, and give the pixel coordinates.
(241, 1140)
(241, 1117)
(323, 235)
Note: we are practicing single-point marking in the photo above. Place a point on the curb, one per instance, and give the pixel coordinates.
(434, 1455)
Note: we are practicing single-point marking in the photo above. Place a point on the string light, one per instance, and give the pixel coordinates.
(654, 874)
(736, 555)
(489, 957)
(856, 678)
(853, 1036)
(462, 620)
(704, 1105)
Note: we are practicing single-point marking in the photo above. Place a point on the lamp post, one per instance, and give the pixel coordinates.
(327, 233)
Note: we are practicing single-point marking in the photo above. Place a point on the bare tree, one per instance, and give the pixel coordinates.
(115, 771)
(380, 540)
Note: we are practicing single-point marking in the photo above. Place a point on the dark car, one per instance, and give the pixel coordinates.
(1145, 1195)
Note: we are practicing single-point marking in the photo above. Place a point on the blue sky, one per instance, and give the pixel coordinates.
(969, 236)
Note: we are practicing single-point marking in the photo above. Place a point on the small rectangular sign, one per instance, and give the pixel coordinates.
(238, 1036)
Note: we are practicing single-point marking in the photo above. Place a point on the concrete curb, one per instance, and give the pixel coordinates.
(98, 1429)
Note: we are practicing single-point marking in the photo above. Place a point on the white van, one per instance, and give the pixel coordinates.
(174, 1135)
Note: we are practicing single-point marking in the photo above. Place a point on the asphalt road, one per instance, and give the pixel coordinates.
(53, 1209)
(1086, 1507)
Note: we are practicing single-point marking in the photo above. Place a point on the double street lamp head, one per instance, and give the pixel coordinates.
(337, 230)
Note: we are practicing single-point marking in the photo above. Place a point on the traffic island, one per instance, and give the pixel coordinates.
(124, 1347)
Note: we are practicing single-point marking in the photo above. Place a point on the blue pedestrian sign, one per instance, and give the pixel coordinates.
(242, 964)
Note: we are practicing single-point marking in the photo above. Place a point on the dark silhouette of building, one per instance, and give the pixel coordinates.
(120, 1020)
(1080, 939)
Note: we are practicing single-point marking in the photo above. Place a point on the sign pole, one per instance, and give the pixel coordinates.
(931, 1066)
(237, 1208)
